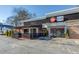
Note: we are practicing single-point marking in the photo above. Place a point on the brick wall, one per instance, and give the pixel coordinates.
(73, 33)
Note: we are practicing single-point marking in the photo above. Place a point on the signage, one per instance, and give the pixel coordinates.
(53, 19)
(60, 18)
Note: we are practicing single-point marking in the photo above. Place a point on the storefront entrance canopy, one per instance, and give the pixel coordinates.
(58, 24)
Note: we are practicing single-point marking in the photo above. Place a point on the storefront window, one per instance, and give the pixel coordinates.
(57, 32)
(45, 32)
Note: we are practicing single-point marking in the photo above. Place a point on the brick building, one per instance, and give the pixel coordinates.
(63, 23)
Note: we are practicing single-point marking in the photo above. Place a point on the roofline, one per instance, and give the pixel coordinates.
(34, 19)
(64, 12)
(55, 13)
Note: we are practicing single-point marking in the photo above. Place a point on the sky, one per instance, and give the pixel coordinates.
(39, 10)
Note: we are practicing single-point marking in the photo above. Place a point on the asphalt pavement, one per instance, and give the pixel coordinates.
(10, 45)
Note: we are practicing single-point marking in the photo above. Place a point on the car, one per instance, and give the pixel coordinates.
(44, 38)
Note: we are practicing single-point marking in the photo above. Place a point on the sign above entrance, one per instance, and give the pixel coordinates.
(60, 18)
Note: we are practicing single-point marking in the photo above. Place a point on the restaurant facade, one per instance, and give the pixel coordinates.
(63, 24)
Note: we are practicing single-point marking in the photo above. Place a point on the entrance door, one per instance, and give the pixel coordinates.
(57, 32)
(33, 33)
(26, 31)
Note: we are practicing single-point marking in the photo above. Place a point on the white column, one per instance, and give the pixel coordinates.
(36, 30)
(65, 29)
(49, 32)
(29, 31)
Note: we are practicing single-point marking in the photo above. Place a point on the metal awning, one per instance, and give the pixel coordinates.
(58, 24)
(63, 12)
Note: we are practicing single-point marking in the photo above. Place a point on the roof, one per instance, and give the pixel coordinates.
(56, 13)
(34, 19)
(55, 24)
(63, 12)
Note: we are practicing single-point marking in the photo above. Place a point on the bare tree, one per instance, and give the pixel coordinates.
(10, 20)
(20, 14)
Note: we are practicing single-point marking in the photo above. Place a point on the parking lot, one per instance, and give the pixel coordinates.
(55, 46)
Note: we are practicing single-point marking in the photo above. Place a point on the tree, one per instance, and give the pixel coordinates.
(9, 20)
(12, 20)
(20, 14)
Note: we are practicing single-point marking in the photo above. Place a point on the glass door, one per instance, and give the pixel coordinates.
(33, 33)
(57, 32)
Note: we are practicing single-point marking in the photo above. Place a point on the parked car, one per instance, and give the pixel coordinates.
(44, 38)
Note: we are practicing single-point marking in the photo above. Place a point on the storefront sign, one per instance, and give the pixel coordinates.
(60, 18)
(53, 19)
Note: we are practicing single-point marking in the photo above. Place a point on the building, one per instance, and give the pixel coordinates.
(63, 23)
